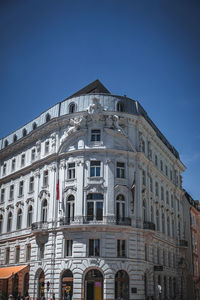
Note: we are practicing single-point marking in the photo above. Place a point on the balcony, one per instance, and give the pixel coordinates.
(149, 225)
(183, 243)
(39, 226)
(90, 220)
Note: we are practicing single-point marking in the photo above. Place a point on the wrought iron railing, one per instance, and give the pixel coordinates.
(39, 226)
(95, 221)
(183, 243)
(149, 225)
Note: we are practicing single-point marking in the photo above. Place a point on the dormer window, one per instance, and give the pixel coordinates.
(120, 106)
(6, 143)
(72, 108)
(14, 138)
(24, 133)
(34, 126)
(48, 117)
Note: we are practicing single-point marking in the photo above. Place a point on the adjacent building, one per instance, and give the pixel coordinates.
(92, 205)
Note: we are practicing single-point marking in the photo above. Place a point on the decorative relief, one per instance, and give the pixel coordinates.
(29, 200)
(37, 173)
(10, 206)
(38, 146)
(19, 203)
(44, 193)
(95, 109)
(2, 209)
(95, 188)
(53, 141)
(62, 164)
(76, 124)
(117, 126)
(53, 167)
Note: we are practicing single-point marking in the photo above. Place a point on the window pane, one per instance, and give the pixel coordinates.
(99, 210)
(90, 211)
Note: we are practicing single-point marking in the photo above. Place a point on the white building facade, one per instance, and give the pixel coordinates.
(91, 201)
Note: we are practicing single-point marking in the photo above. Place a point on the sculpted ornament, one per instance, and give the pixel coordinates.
(117, 126)
(95, 109)
(76, 124)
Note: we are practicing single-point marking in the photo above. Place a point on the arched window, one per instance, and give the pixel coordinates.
(9, 224)
(29, 216)
(48, 117)
(157, 220)
(5, 143)
(122, 285)
(168, 226)
(19, 219)
(163, 223)
(67, 285)
(72, 108)
(41, 280)
(1, 223)
(70, 208)
(14, 138)
(120, 208)
(24, 132)
(44, 211)
(120, 106)
(94, 207)
(94, 285)
(144, 210)
(34, 126)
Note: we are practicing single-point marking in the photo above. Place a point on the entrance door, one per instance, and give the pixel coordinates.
(94, 285)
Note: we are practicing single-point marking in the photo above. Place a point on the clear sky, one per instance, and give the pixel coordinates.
(148, 50)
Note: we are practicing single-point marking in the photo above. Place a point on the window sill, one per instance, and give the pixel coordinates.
(20, 196)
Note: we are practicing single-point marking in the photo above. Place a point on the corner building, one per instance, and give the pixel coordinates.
(91, 203)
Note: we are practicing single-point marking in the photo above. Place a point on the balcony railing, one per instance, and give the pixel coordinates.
(149, 225)
(183, 243)
(95, 221)
(39, 226)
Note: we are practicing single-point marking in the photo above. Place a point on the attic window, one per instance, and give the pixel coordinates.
(34, 126)
(14, 138)
(24, 133)
(120, 106)
(6, 143)
(72, 108)
(48, 117)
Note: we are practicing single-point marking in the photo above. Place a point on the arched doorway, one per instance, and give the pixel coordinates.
(94, 285)
(26, 284)
(121, 285)
(41, 283)
(67, 285)
(15, 279)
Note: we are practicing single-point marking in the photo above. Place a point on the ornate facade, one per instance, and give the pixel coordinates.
(92, 203)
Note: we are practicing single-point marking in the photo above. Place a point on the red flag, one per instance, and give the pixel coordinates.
(57, 191)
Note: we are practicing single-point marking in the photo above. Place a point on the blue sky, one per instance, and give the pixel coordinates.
(148, 50)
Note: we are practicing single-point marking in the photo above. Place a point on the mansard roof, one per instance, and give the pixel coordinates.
(92, 88)
(82, 97)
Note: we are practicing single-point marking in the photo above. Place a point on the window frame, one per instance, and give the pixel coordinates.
(120, 169)
(95, 169)
(94, 248)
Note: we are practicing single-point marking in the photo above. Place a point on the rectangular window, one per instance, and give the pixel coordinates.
(11, 192)
(120, 170)
(68, 248)
(166, 170)
(156, 160)
(45, 178)
(71, 171)
(95, 168)
(31, 184)
(143, 177)
(95, 135)
(146, 252)
(23, 160)
(94, 247)
(4, 169)
(13, 164)
(151, 184)
(33, 154)
(2, 195)
(47, 147)
(21, 188)
(90, 211)
(17, 254)
(28, 252)
(121, 248)
(7, 256)
(156, 188)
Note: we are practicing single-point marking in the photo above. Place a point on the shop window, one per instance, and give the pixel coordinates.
(122, 285)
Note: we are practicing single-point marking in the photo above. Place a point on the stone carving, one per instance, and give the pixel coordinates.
(95, 109)
(53, 141)
(38, 146)
(117, 126)
(76, 124)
